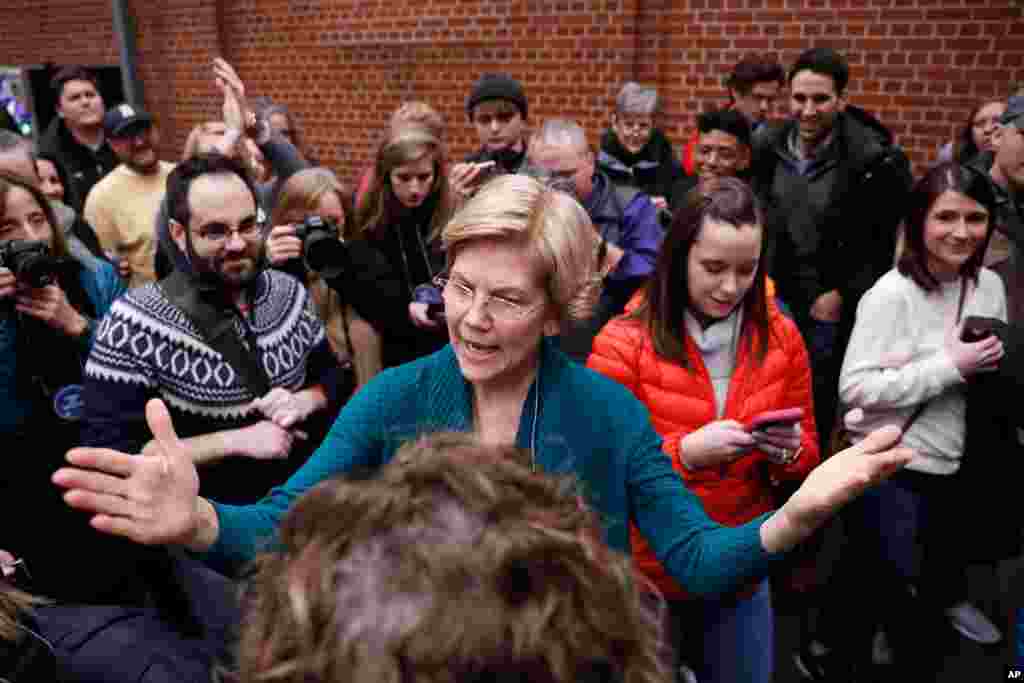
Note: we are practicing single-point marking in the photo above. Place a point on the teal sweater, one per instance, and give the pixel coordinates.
(575, 420)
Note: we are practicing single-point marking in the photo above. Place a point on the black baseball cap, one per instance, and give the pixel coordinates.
(123, 118)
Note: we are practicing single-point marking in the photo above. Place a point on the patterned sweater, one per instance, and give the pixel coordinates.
(146, 347)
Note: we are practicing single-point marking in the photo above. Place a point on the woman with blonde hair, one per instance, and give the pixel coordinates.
(410, 113)
(408, 204)
(318, 192)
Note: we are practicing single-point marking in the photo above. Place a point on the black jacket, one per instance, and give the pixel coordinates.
(1009, 220)
(833, 228)
(410, 259)
(81, 168)
(654, 169)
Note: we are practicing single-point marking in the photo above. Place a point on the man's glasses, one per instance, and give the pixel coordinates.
(458, 296)
(553, 180)
(219, 234)
(635, 125)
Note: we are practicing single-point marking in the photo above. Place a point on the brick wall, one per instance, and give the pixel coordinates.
(343, 65)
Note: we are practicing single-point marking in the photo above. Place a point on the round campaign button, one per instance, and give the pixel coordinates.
(68, 403)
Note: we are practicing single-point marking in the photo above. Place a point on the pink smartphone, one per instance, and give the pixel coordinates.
(774, 418)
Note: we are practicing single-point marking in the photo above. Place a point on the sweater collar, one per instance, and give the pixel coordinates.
(657, 149)
(528, 434)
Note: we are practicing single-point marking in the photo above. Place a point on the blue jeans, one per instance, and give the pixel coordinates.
(725, 640)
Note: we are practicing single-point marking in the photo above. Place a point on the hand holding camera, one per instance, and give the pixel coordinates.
(51, 305)
(315, 241)
(283, 245)
(28, 274)
(974, 347)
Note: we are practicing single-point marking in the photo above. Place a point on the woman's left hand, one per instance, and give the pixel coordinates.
(779, 443)
(833, 484)
(51, 305)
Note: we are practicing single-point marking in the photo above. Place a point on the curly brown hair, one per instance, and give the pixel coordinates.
(457, 563)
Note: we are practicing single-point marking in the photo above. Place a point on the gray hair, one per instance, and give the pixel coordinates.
(561, 133)
(637, 99)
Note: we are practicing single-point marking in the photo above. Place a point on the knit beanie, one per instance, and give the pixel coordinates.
(497, 87)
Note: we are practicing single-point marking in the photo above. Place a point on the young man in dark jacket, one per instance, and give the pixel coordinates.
(497, 107)
(833, 183)
(75, 137)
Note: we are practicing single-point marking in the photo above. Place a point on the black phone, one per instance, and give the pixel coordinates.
(436, 312)
(978, 327)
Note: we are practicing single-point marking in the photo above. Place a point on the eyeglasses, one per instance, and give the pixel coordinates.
(218, 234)
(458, 296)
(638, 125)
(553, 180)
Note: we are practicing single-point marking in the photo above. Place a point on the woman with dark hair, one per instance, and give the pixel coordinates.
(46, 332)
(908, 363)
(975, 136)
(706, 351)
(403, 213)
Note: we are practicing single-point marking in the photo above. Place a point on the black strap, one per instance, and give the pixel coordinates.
(218, 330)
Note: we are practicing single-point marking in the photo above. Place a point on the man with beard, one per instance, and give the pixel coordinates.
(75, 137)
(235, 351)
(122, 206)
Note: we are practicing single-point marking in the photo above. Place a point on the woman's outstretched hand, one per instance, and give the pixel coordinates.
(151, 499)
(833, 484)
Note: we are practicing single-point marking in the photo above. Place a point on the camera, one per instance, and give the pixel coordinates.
(30, 261)
(322, 249)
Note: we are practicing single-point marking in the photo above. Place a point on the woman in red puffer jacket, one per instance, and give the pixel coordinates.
(706, 351)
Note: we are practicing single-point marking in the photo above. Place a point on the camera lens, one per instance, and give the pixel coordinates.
(325, 254)
(35, 268)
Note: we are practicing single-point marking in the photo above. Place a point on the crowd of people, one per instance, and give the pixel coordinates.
(558, 411)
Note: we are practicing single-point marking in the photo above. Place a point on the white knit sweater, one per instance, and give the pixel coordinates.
(896, 360)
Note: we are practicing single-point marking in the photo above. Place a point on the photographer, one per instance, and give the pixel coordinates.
(356, 292)
(49, 304)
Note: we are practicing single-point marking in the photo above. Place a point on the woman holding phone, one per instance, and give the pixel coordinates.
(708, 353)
(908, 362)
(408, 204)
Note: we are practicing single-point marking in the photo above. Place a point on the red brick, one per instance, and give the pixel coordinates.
(344, 65)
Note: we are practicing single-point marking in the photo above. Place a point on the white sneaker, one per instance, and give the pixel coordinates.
(881, 653)
(971, 623)
(686, 675)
